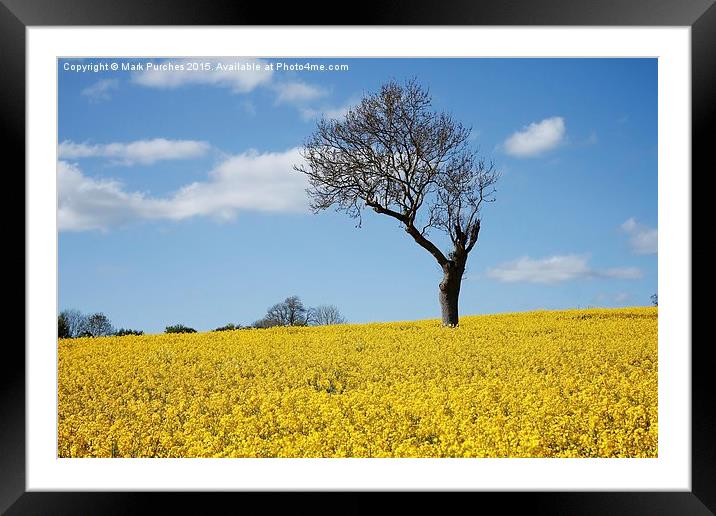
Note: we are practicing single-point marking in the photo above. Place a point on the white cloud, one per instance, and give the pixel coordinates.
(144, 152)
(297, 92)
(642, 239)
(100, 90)
(536, 138)
(248, 181)
(240, 76)
(85, 203)
(548, 270)
(237, 75)
(556, 269)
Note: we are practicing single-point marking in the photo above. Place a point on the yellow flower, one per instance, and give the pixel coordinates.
(578, 383)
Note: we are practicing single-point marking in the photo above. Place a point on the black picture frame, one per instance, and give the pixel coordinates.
(16, 15)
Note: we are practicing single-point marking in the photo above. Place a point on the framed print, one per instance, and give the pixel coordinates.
(424, 252)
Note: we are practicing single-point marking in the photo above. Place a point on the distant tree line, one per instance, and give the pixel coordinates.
(292, 312)
(72, 323)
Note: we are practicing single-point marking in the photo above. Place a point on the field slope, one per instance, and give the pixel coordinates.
(578, 383)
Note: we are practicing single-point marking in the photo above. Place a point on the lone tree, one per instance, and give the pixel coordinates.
(290, 312)
(394, 154)
(98, 325)
(325, 315)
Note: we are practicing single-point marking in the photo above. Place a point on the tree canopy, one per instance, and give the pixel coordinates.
(394, 154)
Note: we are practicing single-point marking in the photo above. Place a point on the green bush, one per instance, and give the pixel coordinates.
(179, 328)
(126, 331)
(229, 327)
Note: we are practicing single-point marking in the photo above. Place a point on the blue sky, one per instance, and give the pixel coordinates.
(178, 204)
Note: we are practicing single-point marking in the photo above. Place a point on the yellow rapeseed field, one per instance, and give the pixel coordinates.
(578, 383)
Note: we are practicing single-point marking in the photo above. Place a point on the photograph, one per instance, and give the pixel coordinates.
(357, 257)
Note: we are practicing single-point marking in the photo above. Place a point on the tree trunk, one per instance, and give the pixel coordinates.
(450, 292)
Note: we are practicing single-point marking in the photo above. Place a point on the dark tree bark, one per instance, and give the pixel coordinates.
(393, 154)
(449, 289)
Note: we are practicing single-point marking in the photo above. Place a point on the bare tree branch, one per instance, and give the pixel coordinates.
(393, 154)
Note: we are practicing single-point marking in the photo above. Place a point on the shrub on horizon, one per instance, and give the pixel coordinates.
(179, 328)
